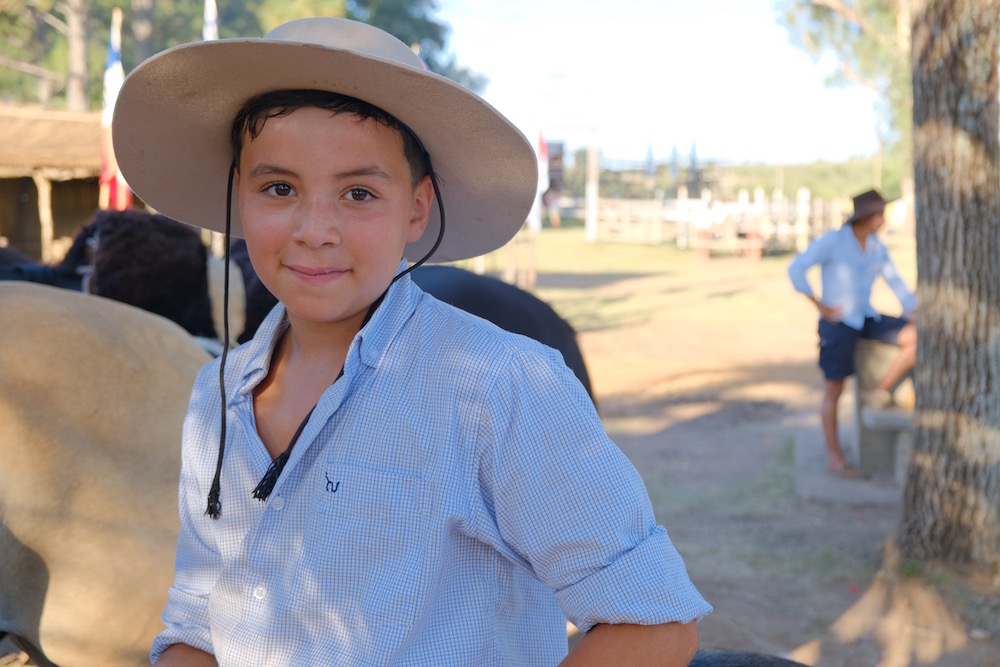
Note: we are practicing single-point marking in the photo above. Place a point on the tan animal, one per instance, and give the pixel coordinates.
(92, 398)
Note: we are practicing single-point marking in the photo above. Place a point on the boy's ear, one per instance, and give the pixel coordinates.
(423, 198)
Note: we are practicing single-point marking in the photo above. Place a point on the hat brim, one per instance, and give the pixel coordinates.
(174, 114)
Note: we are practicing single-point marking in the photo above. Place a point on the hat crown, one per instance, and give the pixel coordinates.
(336, 33)
(867, 204)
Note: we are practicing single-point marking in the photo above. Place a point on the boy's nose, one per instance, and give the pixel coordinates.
(316, 223)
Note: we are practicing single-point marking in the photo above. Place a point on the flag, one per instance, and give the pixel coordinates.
(210, 28)
(114, 191)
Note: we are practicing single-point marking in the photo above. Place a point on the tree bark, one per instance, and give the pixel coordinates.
(951, 508)
(142, 31)
(76, 35)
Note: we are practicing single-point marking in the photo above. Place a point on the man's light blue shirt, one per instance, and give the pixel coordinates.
(453, 500)
(848, 273)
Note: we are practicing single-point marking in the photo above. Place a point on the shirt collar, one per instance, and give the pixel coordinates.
(370, 344)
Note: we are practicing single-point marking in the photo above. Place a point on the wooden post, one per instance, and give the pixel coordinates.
(591, 192)
(45, 222)
(801, 219)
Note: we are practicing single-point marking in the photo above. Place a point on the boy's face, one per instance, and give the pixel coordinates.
(328, 205)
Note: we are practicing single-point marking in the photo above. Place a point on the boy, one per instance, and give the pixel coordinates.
(851, 258)
(395, 482)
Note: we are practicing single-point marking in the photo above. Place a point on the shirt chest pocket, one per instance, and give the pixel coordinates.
(365, 546)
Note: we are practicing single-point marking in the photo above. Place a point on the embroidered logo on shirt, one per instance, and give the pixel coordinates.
(330, 486)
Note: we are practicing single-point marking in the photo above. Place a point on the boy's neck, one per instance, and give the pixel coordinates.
(320, 343)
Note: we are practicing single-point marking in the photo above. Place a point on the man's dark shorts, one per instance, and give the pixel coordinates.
(837, 341)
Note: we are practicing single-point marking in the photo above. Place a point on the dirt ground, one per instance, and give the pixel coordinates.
(706, 377)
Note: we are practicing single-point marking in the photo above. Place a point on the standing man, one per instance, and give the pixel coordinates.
(850, 259)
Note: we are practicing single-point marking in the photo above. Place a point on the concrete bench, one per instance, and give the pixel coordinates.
(884, 437)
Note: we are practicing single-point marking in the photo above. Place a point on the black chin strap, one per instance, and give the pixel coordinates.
(214, 509)
(266, 484)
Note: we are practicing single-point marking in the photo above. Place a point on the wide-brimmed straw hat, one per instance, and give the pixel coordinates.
(175, 111)
(867, 204)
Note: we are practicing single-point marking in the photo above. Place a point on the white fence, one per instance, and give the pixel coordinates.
(776, 223)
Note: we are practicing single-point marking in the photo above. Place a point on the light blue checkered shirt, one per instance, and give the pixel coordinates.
(452, 500)
(848, 273)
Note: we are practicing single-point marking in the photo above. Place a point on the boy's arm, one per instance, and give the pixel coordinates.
(669, 645)
(182, 655)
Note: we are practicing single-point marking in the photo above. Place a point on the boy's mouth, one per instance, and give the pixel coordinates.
(316, 271)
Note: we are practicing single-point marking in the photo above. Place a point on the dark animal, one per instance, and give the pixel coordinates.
(143, 259)
(11, 257)
(713, 657)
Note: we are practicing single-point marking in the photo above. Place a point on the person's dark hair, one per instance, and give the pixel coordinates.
(257, 110)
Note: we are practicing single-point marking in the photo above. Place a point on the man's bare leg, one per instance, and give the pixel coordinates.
(904, 360)
(831, 396)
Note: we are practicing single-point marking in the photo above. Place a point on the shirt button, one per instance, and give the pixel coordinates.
(259, 592)
(277, 503)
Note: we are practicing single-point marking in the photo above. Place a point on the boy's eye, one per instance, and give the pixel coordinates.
(280, 189)
(359, 194)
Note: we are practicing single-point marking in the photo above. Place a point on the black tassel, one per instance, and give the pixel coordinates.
(266, 483)
(214, 504)
(214, 509)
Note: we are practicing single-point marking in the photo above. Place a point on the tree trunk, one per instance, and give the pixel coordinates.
(951, 507)
(76, 35)
(142, 31)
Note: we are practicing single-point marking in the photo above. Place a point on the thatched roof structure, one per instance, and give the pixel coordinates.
(60, 145)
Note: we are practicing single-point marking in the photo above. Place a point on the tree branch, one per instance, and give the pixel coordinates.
(845, 11)
(28, 68)
(854, 76)
(50, 18)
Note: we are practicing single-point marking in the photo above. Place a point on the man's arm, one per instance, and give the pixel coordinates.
(667, 645)
(892, 278)
(828, 313)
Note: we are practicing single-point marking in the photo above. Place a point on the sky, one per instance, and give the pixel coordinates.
(640, 75)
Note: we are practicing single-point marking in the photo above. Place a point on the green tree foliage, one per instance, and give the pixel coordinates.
(412, 22)
(34, 51)
(870, 40)
(273, 14)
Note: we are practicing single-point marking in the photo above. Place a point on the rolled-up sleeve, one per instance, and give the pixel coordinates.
(571, 507)
(647, 585)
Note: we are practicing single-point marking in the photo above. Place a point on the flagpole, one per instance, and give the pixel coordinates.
(114, 191)
(209, 32)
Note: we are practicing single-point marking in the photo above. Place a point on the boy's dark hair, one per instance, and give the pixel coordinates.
(257, 110)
